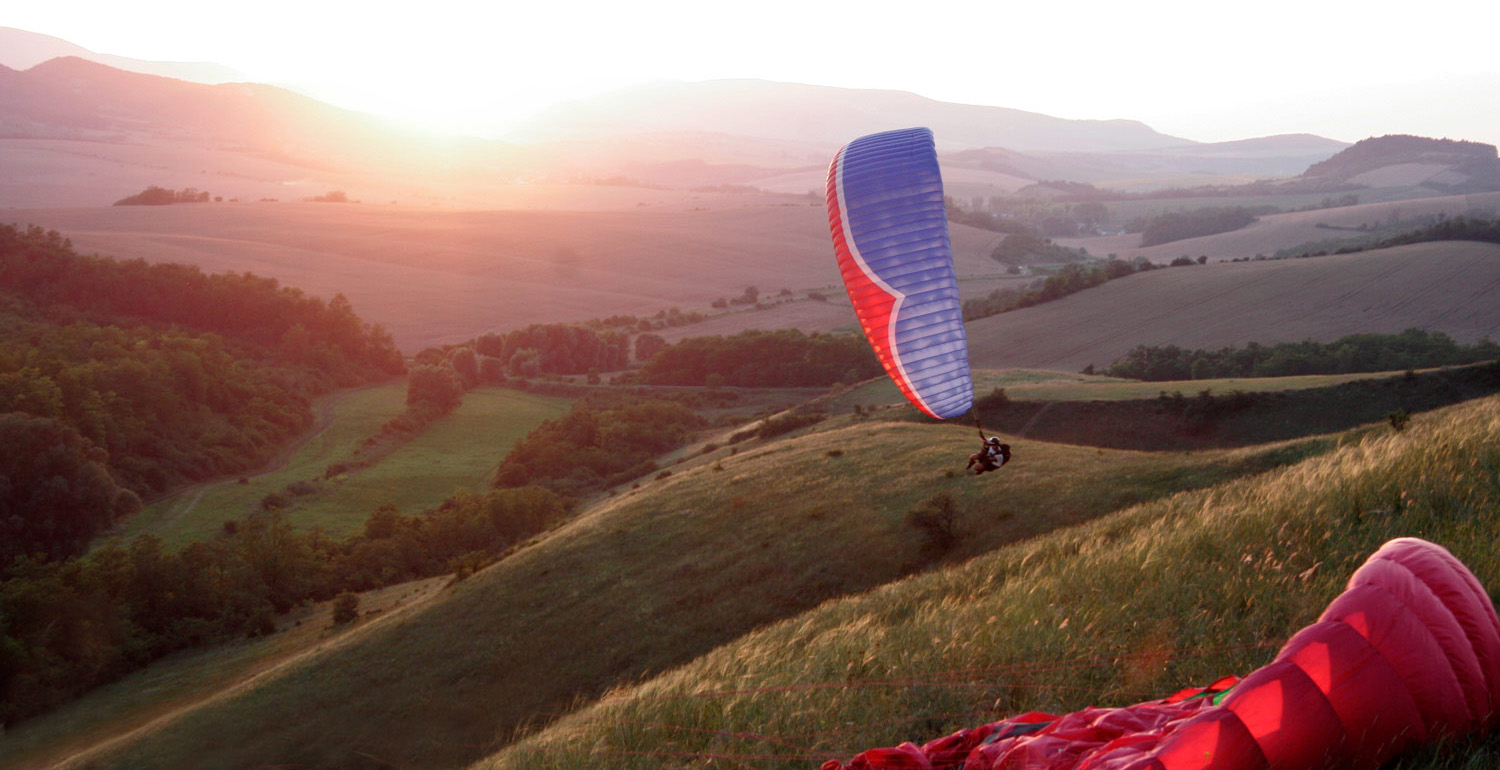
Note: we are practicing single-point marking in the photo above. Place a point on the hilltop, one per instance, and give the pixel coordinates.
(1442, 164)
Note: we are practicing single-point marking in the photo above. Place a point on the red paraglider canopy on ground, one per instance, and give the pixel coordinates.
(1408, 654)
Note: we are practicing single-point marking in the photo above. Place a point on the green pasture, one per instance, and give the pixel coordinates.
(459, 450)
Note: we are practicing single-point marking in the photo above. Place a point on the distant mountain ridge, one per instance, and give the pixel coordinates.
(21, 50)
(78, 99)
(827, 115)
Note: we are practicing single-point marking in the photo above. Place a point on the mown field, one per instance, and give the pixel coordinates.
(1281, 231)
(459, 450)
(1173, 593)
(657, 576)
(1445, 286)
(439, 276)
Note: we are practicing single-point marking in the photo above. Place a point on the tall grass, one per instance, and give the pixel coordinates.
(1129, 607)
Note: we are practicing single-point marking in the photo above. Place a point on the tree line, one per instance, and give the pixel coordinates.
(1180, 225)
(603, 441)
(1071, 279)
(67, 627)
(161, 196)
(763, 359)
(1411, 349)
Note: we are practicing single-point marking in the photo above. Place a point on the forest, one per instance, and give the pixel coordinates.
(140, 378)
(603, 441)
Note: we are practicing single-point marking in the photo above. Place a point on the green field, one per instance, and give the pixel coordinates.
(460, 450)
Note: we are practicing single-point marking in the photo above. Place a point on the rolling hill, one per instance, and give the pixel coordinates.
(1274, 232)
(1448, 286)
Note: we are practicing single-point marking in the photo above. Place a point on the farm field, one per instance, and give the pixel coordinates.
(435, 277)
(459, 450)
(1446, 286)
(1280, 231)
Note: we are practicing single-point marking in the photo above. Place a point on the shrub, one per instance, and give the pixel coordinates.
(937, 520)
(786, 423)
(345, 608)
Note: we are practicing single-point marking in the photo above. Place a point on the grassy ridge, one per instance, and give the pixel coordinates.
(1126, 608)
(657, 577)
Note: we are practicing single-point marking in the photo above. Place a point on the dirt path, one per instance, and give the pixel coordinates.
(323, 413)
(93, 748)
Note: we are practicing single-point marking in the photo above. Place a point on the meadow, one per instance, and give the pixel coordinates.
(458, 451)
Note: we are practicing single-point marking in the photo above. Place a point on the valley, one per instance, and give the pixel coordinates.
(368, 460)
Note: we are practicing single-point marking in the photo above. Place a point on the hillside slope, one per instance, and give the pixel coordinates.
(1078, 617)
(1452, 287)
(654, 578)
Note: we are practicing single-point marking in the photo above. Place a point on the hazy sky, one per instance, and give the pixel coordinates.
(1201, 70)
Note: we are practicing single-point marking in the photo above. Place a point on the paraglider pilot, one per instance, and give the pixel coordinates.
(991, 457)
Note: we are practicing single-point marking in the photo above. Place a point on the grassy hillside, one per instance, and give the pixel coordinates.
(1448, 287)
(1172, 593)
(459, 450)
(657, 577)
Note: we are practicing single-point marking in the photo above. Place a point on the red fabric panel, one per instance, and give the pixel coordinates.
(1405, 641)
(907, 756)
(1379, 716)
(1462, 594)
(1215, 740)
(1290, 718)
(1408, 589)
